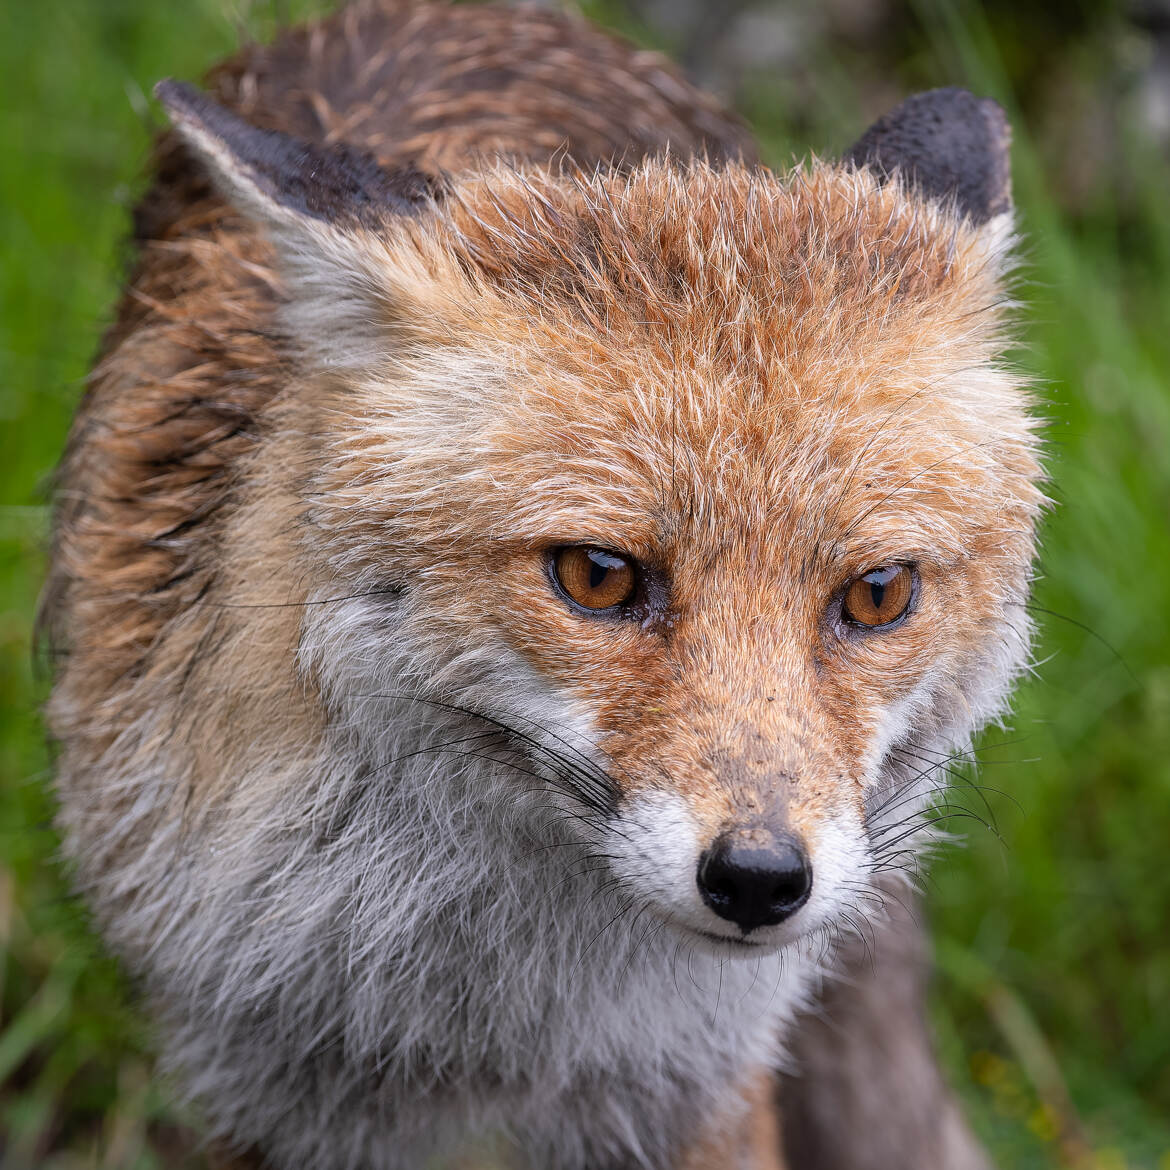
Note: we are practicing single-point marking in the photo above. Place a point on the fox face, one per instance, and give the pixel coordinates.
(704, 489)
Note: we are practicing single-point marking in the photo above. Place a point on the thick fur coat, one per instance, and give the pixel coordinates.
(403, 845)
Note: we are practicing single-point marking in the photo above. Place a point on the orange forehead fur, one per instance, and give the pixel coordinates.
(761, 325)
(759, 386)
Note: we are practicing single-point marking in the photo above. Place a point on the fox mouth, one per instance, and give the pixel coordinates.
(739, 944)
(727, 945)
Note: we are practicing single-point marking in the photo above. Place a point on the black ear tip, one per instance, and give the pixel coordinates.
(191, 109)
(950, 144)
(274, 170)
(176, 97)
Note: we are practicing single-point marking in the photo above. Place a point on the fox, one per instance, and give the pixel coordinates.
(522, 570)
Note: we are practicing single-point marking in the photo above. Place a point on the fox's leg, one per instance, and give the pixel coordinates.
(751, 1143)
(867, 1092)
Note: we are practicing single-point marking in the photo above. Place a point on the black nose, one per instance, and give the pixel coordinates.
(755, 882)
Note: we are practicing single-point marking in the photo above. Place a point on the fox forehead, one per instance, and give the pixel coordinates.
(648, 458)
(715, 355)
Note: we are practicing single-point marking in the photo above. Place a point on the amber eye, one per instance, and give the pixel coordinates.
(881, 597)
(593, 577)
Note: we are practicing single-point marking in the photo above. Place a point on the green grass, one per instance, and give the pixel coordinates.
(1053, 970)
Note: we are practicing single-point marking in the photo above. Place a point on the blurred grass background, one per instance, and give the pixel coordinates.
(1053, 964)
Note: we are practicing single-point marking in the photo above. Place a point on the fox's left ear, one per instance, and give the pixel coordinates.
(329, 212)
(947, 143)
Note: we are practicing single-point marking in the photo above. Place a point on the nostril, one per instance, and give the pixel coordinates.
(755, 885)
(793, 886)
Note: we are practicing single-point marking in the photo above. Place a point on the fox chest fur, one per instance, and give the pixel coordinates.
(520, 569)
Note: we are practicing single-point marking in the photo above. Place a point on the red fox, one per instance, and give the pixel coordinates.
(521, 569)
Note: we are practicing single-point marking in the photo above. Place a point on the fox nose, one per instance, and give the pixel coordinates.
(755, 882)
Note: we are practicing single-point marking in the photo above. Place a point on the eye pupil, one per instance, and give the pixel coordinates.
(880, 597)
(594, 578)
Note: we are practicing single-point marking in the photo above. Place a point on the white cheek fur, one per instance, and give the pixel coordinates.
(655, 846)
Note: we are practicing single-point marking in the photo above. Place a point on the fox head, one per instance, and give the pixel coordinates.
(703, 490)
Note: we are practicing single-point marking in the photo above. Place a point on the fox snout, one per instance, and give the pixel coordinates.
(749, 852)
(754, 876)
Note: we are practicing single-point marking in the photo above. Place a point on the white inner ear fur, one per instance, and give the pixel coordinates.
(344, 285)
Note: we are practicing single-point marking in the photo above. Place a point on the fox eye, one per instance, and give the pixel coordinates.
(594, 578)
(880, 597)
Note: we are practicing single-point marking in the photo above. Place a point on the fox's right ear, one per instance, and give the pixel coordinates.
(947, 143)
(320, 206)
